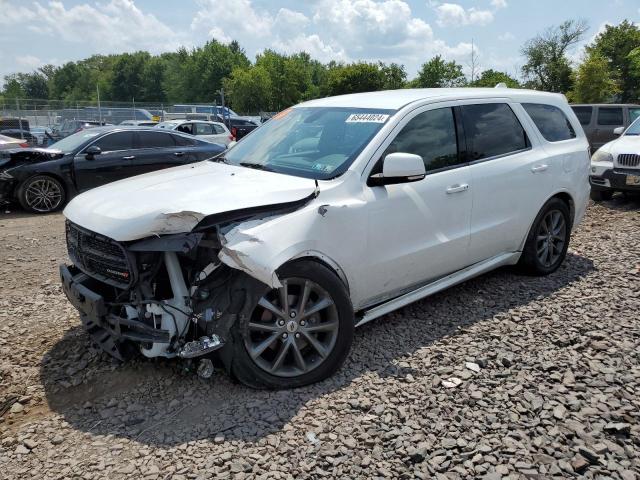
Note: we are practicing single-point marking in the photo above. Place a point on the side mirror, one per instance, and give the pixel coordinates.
(399, 167)
(618, 131)
(92, 151)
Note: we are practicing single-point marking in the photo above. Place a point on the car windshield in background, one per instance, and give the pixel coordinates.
(311, 142)
(72, 142)
(634, 128)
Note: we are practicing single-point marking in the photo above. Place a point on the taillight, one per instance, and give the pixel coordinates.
(24, 145)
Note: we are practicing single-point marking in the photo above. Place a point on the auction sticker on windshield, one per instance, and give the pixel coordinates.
(367, 118)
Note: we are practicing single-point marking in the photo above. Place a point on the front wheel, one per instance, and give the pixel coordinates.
(548, 240)
(295, 335)
(41, 194)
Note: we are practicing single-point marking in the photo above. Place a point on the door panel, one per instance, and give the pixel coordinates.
(511, 180)
(419, 231)
(158, 150)
(114, 163)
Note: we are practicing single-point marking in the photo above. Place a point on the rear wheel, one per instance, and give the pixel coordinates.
(548, 239)
(41, 194)
(295, 335)
(600, 195)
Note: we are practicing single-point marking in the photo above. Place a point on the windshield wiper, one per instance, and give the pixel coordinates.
(257, 166)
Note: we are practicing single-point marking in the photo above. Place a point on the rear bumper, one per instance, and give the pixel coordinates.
(106, 328)
(614, 179)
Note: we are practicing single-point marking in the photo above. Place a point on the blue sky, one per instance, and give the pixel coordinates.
(33, 33)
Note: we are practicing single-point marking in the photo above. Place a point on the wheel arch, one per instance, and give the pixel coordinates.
(319, 257)
(562, 195)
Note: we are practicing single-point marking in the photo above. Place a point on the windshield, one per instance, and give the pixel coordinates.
(72, 142)
(634, 128)
(311, 142)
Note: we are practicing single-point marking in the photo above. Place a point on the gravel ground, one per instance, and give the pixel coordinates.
(502, 377)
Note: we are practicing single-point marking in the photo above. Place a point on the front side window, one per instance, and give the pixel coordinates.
(610, 116)
(311, 142)
(551, 121)
(156, 140)
(492, 129)
(583, 114)
(115, 142)
(186, 128)
(432, 135)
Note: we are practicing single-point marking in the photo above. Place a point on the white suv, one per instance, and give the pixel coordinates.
(616, 165)
(335, 212)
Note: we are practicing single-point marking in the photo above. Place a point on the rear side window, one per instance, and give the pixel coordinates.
(115, 141)
(156, 140)
(551, 121)
(492, 129)
(633, 114)
(610, 116)
(432, 135)
(203, 129)
(218, 129)
(583, 114)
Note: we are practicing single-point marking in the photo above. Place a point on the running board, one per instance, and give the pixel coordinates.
(440, 284)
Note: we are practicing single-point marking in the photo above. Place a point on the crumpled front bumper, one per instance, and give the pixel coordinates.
(106, 329)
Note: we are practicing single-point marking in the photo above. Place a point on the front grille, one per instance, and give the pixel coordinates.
(99, 256)
(628, 160)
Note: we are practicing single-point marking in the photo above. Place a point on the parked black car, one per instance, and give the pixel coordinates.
(69, 127)
(239, 127)
(43, 180)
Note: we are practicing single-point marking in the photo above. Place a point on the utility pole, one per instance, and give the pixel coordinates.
(133, 100)
(99, 109)
(224, 112)
(473, 62)
(19, 118)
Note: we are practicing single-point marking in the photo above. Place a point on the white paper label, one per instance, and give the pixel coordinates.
(367, 118)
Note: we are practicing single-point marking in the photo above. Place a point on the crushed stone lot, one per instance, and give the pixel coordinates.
(504, 376)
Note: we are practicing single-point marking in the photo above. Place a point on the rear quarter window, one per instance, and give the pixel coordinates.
(551, 121)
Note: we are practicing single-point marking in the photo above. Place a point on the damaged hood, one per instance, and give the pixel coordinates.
(175, 200)
(21, 156)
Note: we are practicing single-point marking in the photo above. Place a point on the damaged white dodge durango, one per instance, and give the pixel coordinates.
(335, 212)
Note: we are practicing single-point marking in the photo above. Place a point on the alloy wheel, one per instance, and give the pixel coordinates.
(43, 195)
(551, 237)
(293, 329)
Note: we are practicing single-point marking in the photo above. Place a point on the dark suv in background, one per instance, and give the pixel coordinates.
(600, 120)
(43, 180)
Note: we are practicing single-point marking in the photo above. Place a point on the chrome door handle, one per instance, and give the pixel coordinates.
(458, 187)
(179, 154)
(130, 157)
(539, 168)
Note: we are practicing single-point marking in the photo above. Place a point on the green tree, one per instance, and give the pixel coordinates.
(615, 44)
(395, 76)
(547, 66)
(126, 80)
(249, 89)
(593, 82)
(438, 73)
(354, 78)
(491, 78)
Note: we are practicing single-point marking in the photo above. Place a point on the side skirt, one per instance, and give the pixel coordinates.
(443, 283)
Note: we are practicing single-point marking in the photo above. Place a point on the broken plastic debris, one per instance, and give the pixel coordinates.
(205, 368)
(311, 437)
(451, 382)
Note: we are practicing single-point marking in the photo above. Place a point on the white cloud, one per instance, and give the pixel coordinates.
(341, 30)
(506, 37)
(110, 27)
(499, 3)
(454, 15)
(28, 62)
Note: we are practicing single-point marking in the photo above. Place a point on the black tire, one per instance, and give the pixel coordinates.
(53, 195)
(253, 372)
(531, 262)
(600, 195)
